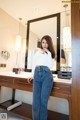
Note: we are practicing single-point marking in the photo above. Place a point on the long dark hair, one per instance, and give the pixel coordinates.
(50, 44)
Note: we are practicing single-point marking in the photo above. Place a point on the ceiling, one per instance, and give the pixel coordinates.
(31, 9)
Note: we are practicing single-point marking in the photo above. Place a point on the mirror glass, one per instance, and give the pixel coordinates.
(37, 28)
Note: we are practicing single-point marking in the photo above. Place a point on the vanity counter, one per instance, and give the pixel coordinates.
(61, 87)
(26, 75)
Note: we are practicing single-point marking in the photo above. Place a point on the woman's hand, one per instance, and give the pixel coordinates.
(29, 80)
(45, 50)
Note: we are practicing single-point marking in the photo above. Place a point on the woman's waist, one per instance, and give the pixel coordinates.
(42, 67)
(43, 64)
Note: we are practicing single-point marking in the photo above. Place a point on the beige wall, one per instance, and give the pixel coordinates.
(9, 28)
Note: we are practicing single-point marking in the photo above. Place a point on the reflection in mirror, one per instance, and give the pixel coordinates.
(37, 28)
(65, 51)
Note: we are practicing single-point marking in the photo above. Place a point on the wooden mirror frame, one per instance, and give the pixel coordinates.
(58, 39)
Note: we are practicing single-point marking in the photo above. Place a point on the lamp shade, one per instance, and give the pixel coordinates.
(18, 43)
(67, 37)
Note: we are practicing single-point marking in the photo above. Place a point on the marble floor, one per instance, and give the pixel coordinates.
(10, 116)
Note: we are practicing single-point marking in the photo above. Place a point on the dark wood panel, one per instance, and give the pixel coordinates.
(75, 17)
(62, 88)
(6, 80)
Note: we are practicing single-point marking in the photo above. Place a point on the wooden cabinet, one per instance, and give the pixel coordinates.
(22, 84)
(6, 81)
(62, 88)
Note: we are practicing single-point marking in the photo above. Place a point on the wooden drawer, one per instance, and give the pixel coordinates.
(20, 81)
(61, 88)
(22, 84)
(6, 80)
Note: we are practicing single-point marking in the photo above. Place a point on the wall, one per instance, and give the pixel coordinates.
(9, 28)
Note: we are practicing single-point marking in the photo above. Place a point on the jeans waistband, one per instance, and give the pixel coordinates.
(45, 68)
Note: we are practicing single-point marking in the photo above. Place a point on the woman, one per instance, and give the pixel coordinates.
(43, 79)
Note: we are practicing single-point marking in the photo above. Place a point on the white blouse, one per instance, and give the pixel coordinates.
(42, 58)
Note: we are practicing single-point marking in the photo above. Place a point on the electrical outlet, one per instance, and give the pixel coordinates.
(2, 65)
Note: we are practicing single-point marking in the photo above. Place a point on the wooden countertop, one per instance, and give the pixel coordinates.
(26, 75)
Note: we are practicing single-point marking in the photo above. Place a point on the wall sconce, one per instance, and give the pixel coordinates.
(67, 37)
(18, 44)
(5, 54)
(67, 31)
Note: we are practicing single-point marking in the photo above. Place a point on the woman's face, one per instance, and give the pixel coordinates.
(44, 44)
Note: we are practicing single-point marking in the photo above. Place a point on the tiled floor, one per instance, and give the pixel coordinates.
(11, 116)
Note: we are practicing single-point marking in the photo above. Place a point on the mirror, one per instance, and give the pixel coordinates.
(36, 29)
(58, 26)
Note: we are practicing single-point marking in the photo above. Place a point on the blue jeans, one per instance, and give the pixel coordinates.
(42, 85)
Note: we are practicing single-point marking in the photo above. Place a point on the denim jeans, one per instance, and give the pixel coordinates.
(42, 85)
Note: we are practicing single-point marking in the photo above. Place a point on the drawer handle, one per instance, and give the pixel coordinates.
(57, 88)
(3, 80)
